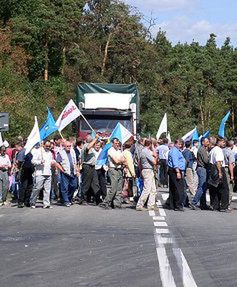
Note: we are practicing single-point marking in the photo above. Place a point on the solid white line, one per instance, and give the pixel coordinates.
(187, 275)
(162, 231)
(158, 218)
(165, 270)
(151, 212)
(163, 240)
(160, 224)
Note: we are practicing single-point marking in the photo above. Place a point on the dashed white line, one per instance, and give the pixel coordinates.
(162, 231)
(160, 224)
(158, 218)
(163, 240)
(151, 213)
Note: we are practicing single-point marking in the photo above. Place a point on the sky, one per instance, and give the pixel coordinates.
(188, 20)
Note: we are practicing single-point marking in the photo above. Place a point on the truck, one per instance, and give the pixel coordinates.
(104, 105)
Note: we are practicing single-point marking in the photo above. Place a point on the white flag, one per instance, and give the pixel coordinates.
(70, 113)
(169, 137)
(163, 127)
(33, 138)
(189, 135)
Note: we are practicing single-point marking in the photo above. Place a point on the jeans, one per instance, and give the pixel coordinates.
(68, 186)
(202, 187)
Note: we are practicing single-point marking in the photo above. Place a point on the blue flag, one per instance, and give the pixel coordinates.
(206, 134)
(119, 132)
(48, 127)
(195, 135)
(221, 132)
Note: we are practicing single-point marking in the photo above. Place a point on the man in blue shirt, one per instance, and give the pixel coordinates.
(176, 164)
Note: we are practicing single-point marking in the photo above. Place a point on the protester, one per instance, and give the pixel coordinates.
(148, 162)
(229, 157)
(5, 166)
(26, 170)
(129, 173)
(88, 172)
(176, 164)
(115, 163)
(43, 162)
(67, 164)
(163, 151)
(218, 185)
(101, 174)
(202, 167)
(189, 175)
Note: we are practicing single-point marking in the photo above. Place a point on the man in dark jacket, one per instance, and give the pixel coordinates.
(202, 165)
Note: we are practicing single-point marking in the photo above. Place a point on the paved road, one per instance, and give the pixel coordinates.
(88, 246)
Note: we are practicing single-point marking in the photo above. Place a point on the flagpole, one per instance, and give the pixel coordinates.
(88, 123)
(61, 135)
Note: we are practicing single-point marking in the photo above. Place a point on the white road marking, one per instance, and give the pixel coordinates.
(1, 215)
(151, 212)
(165, 270)
(160, 224)
(187, 275)
(158, 218)
(165, 196)
(162, 231)
(163, 240)
(161, 209)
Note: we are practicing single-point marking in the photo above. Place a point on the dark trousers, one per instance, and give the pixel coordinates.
(26, 185)
(163, 172)
(219, 196)
(89, 180)
(176, 190)
(68, 186)
(102, 182)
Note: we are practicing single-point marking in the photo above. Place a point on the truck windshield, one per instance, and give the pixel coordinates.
(105, 125)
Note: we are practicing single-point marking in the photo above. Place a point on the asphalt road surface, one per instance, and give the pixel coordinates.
(89, 246)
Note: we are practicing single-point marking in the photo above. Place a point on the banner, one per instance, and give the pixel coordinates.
(70, 113)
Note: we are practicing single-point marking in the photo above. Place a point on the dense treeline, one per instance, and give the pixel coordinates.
(47, 46)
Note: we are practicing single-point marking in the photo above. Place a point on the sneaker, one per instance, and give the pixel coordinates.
(47, 206)
(20, 205)
(141, 208)
(192, 206)
(104, 205)
(32, 206)
(67, 204)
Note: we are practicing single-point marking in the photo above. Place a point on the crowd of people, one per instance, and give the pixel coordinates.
(66, 171)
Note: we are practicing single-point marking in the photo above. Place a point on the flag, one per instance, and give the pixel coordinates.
(189, 135)
(119, 132)
(48, 127)
(195, 136)
(70, 113)
(206, 134)
(169, 137)
(221, 132)
(163, 127)
(33, 138)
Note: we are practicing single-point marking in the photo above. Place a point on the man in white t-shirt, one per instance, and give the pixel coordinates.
(115, 162)
(219, 191)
